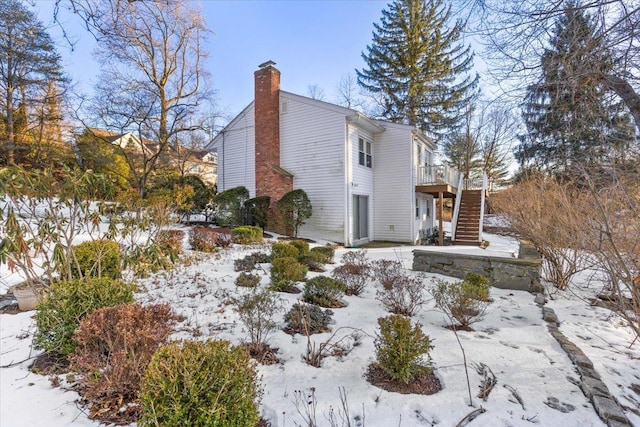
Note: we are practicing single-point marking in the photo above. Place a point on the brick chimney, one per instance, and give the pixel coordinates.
(271, 179)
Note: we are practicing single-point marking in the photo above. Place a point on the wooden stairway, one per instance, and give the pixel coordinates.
(468, 223)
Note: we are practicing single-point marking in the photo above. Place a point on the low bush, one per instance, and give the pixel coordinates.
(247, 280)
(387, 271)
(285, 272)
(324, 254)
(257, 310)
(170, 241)
(144, 260)
(353, 272)
(114, 345)
(402, 294)
(301, 245)
(249, 262)
(210, 383)
(307, 319)
(247, 235)
(203, 239)
(465, 301)
(65, 303)
(400, 348)
(283, 250)
(324, 291)
(96, 258)
(313, 261)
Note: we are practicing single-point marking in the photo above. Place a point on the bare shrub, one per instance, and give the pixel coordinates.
(354, 271)
(613, 233)
(331, 347)
(203, 239)
(549, 214)
(257, 310)
(403, 294)
(114, 347)
(386, 271)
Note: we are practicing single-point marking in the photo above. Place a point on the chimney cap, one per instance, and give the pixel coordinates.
(269, 63)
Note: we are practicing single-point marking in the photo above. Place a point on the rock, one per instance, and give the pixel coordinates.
(609, 410)
(540, 299)
(548, 315)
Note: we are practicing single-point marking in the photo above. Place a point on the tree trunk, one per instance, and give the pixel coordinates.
(624, 90)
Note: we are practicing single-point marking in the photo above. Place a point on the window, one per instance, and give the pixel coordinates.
(365, 153)
(417, 208)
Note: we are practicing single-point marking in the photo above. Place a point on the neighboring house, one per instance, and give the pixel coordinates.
(363, 177)
(200, 163)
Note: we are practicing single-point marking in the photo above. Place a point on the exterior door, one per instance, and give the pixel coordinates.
(360, 217)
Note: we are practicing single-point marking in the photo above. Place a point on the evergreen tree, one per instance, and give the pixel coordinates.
(28, 63)
(570, 119)
(418, 68)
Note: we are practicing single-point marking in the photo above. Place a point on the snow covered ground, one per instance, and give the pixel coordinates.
(512, 340)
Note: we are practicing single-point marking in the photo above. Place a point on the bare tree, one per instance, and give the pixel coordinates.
(498, 129)
(315, 92)
(461, 148)
(516, 33)
(153, 81)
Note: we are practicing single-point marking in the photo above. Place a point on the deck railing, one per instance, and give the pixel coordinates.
(437, 175)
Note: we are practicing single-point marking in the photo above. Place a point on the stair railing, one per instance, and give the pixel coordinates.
(485, 186)
(456, 209)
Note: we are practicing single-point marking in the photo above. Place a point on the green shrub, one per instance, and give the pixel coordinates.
(313, 261)
(113, 347)
(285, 272)
(249, 262)
(199, 194)
(400, 348)
(200, 384)
(96, 258)
(295, 208)
(257, 210)
(465, 301)
(65, 303)
(324, 254)
(283, 250)
(480, 285)
(301, 245)
(247, 280)
(324, 291)
(230, 206)
(307, 319)
(247, 234)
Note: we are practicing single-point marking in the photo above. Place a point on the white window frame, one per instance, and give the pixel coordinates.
(365, 152)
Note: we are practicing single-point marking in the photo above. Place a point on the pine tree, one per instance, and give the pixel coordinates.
(418, 68)
(28, 62)
(571, 121)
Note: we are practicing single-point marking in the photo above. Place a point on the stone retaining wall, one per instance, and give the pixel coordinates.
(521, 274)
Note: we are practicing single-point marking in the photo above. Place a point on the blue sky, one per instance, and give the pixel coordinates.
(312, 43)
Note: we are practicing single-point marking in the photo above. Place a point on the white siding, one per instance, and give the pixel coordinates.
(312, 147)
(361, 181)
(394, 195)
(236, 153)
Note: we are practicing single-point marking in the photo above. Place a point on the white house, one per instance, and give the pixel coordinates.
(363, 176)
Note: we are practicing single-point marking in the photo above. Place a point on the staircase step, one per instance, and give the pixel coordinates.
(466, 242)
